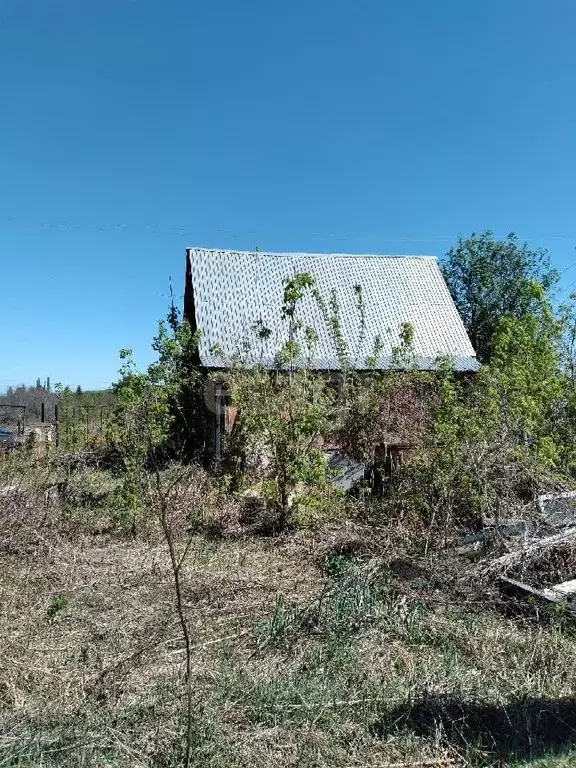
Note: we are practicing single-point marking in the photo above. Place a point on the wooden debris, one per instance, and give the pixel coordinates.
(518, 588)
(534, 549)
(566, 590)
(508, 528)
(558, 509)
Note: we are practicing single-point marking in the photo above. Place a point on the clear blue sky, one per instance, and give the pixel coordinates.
(130, 129)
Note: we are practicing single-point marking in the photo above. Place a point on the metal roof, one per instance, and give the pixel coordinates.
(234, 290)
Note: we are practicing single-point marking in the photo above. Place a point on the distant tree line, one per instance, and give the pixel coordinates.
(32, 397)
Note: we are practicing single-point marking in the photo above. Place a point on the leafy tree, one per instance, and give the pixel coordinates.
(492, 441)
(177, 349)
(524, 381)
(170, 392)
(284, 414)
(565, 413)
(286, 417)
(490, 278)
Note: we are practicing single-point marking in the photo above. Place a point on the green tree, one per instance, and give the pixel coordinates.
(495, 438)
(142, 432)
(169, 392)
(490, 278)
(177, 349)
(524, 381)
(564, 421)
(284, 414)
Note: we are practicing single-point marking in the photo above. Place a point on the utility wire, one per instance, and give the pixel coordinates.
(185, 232)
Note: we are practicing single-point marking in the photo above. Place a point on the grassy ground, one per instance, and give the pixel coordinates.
(299, 659)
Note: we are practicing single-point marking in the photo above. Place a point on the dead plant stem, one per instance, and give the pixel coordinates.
(176, 568)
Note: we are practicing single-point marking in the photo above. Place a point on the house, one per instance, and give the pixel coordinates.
(229, 294)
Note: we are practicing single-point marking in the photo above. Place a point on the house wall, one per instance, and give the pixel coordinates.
(396, 446)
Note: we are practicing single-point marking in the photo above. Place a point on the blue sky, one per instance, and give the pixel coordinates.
(130, 129)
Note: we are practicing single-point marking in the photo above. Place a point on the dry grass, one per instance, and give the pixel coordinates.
(302, 657)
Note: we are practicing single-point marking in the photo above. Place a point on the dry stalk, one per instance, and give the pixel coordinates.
(211, 642)
(440, 762)
(176, 565)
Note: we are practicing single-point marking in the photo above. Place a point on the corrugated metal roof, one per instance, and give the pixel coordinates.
(234, 290)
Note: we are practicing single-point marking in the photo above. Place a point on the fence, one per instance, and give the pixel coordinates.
(81, 424)
(74, 424)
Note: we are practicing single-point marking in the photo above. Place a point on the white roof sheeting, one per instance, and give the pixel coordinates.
(234, 290)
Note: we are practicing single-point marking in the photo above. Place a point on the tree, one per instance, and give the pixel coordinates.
(177, 348)
(141, 433)
(284, 414)
(490, 278)
(32, 398)
(524, 381)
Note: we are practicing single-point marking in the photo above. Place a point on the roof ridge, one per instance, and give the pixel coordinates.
(316, 254)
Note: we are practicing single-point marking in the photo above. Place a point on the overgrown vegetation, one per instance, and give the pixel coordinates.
(297, 657)
(477, 443)
(146, 621)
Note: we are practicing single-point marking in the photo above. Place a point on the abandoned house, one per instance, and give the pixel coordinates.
(229, 294)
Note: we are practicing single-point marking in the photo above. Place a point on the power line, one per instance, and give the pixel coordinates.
(231, 233)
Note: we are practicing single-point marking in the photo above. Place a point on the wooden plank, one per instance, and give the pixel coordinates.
(532, 549)
(525, 590)
(566, 590)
